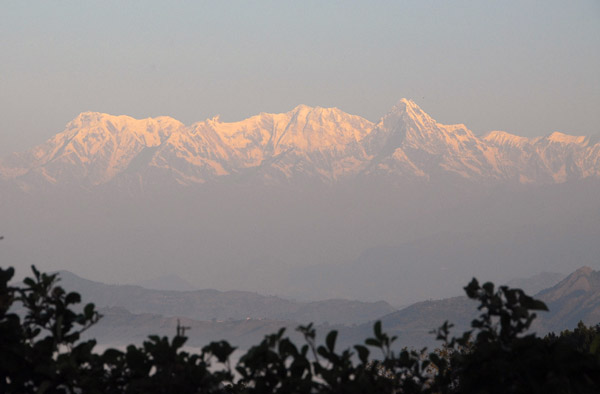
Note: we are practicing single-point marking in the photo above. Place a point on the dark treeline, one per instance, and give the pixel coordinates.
(41, 352)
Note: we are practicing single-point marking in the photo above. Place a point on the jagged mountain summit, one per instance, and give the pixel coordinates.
(323, 144)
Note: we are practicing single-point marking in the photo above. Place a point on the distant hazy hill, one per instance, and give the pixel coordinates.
(413, 325)
(575, 298)
(218, 305)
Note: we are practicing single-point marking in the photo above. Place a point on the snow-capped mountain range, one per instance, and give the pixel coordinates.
(325, 144)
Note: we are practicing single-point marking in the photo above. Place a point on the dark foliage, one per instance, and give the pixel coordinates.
(41, 352)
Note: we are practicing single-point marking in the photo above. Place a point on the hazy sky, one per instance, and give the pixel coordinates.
(528, 67)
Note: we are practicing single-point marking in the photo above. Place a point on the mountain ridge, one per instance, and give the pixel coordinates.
(325, 144)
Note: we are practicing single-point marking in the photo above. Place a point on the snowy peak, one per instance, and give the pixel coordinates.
(555, 158)
(94, 148)
(409, 107)
(319, 128)
(406, 112)
(301, 130)
(503, 138)
(319, 142)
(150, 131)
(566, 139)
(324, 116)
(407, 118)
(416, 145)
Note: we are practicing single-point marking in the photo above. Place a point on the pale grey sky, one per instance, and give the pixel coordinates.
(528, 67)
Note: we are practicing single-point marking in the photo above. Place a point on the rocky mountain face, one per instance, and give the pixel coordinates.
(323, 144)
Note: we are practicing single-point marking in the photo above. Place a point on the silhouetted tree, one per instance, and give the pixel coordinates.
(41, 352)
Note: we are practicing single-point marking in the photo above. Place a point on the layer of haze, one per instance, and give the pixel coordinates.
(367, 240)
(522, 66)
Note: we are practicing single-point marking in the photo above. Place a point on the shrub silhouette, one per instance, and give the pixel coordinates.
(41, 352)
